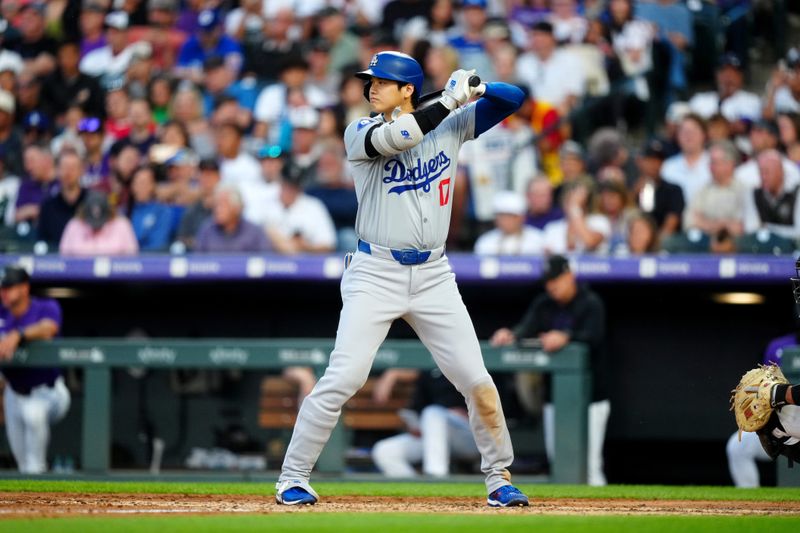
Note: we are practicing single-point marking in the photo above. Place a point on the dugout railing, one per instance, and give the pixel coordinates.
(98, 356)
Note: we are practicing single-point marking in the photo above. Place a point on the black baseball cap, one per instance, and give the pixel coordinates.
(729, 60)
(770, 126)
(553, 267)
(654, 148)
(13, 275)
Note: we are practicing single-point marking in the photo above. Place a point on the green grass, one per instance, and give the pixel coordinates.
(639, 492)
(370, 523)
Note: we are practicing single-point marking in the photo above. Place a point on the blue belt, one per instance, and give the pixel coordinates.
(406, 256)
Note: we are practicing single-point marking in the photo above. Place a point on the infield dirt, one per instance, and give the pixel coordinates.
(42, 504)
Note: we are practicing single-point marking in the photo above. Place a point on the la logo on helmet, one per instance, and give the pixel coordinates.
(374, 60)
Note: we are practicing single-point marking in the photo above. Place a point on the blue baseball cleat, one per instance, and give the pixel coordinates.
(295, 493)
(507, 496)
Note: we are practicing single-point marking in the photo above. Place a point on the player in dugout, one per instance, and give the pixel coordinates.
(34, 398)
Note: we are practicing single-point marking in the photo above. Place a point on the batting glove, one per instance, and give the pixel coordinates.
(457, 90)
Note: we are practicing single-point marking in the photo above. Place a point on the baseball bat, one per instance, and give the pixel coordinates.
(474, 81)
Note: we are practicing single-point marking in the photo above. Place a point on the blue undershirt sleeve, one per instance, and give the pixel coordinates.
(499, 101)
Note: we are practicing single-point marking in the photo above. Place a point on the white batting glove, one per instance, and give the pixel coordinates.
(478, 91)
(457, 90)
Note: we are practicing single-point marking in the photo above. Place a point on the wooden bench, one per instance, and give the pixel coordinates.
(278, 406)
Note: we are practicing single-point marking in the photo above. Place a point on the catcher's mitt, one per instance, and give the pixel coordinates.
(750, 400)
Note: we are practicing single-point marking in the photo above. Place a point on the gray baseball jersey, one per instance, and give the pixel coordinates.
(405, 200)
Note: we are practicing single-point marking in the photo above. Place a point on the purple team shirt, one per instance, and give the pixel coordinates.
(22, 380)
(35, 192)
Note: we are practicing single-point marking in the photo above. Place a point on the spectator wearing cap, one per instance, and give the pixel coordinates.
(510, 236)
(39, 184)
(91, 133)
(783, 89)
(730, 99)
(261, 196)
(719, 206)
(187, 20)
(36, 128)
(272, 105)
(236, 165)
(689, 168)
(34, 398)
(197, 213)
(180, 188)
(267, 58)
(114, 58)
(300, 224)
(569, 312)
(151, 219)
(165, 38)
(542, 207)
(67, 85)
(305, 150)
(91, 21)
(36, 48)
(333, 188)
(226, 231)
(582, 229)
(659, 198)
(58, 210)
(96, 229)
(210, 40)
(772, 206)
(553, 75)
(10, 136)
(764, 135)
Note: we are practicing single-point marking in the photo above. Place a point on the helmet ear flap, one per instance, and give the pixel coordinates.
(367, 85)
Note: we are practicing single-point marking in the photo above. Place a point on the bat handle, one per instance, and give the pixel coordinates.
(480, 87)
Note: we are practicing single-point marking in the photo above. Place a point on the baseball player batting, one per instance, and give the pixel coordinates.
(404, 167)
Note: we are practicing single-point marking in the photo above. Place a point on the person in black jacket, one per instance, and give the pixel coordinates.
(568, 312)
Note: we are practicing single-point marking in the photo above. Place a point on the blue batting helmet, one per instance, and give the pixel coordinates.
(394, 66)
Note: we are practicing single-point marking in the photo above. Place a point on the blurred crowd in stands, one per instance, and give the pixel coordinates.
(174, 126)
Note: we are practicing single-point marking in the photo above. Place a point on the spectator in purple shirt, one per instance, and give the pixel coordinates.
(541, 207)
(91, 22)
(226, 231)
(34, 398)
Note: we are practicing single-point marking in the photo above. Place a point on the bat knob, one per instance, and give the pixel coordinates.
(474, 81)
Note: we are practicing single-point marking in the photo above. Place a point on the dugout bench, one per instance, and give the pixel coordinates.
(98, 356)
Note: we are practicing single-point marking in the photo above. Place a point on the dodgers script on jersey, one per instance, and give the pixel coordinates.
(405, 200)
